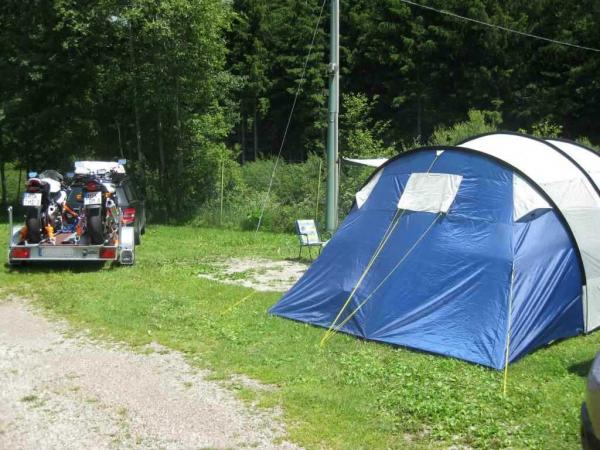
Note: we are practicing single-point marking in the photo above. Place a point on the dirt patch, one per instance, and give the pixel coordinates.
(257, 274)
(72, 392)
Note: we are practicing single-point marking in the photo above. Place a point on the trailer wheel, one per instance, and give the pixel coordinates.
(34, 226)
(94, 228)
(137, 236)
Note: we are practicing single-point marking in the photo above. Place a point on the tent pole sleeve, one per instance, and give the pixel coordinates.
(508, 331)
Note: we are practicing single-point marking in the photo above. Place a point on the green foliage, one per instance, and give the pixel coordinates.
(177, 86)
(351, 394)
(545, 129)
(361, 136)
(108, 79)
(293, 196)
(478, 122)
(586, 142)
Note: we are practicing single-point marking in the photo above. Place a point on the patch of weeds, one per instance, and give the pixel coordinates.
(146, 350)
(33, 400)
(243, 275)
(244, 393)
(206, 268)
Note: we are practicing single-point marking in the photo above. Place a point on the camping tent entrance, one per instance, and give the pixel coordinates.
(455, 290)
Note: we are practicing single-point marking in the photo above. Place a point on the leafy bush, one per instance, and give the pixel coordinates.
(478, 122)
(293, 196)
(298, 191)
(362, 136)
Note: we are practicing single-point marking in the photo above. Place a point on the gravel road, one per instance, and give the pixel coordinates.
(60, 390)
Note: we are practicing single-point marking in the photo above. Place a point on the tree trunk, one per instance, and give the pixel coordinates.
(162, 172)
(136, 112)
(255, 129)
(138, 132)
(161, 149)
(18, 196)
(243, 133)
(178, 200)
(3, 183)
(179, 152)
(419, 117)
(120, 140)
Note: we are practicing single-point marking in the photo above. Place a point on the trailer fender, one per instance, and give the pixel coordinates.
(127, 245)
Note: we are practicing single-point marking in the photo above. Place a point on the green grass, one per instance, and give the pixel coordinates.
(351, 395)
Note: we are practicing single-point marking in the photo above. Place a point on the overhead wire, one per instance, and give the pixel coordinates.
(289, 121)
(500, 27)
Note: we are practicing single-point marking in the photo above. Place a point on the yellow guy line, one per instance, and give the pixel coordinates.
(236, 304)
(406, 255)
(391, 227)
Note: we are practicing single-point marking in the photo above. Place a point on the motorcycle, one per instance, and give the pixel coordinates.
(99, 209)
(43, 200)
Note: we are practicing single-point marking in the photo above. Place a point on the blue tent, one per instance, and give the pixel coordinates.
(453, 251)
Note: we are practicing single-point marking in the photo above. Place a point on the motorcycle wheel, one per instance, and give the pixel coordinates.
(94, 228)
(34, 226)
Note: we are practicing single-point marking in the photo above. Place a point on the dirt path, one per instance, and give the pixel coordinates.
(258, 274)
(68, 392)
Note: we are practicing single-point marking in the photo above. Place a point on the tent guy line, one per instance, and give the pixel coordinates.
(289, 121)
(387, 277)
(333, 328)
(512, 268)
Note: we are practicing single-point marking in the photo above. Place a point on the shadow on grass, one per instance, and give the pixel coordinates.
(66, 266)
(302, 260)
(581, 369)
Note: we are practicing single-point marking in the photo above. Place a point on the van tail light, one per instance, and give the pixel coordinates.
(34, 185)
(92, 186)
(128, 216)
(20, 252)
(108, 253)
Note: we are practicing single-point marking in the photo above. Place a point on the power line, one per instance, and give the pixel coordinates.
(500, 27)
(289, 121)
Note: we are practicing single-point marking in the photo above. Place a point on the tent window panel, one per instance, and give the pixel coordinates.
(363, 195)
(430, 192)
(527, 201)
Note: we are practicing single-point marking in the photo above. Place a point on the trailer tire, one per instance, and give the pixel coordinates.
(94, 228)
(34, 226)
(137, 236)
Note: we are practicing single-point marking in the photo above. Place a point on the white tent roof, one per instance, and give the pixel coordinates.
(569, 187)
(585, 157)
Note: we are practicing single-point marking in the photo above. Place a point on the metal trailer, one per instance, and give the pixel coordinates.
(122, 251)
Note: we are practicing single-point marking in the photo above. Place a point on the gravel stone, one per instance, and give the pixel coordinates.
(63, 390)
